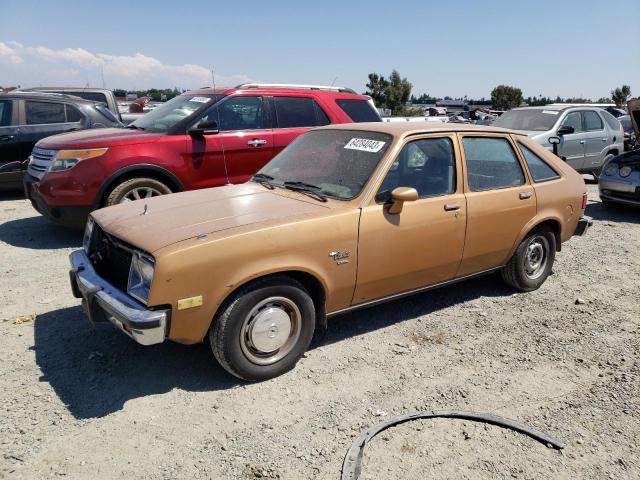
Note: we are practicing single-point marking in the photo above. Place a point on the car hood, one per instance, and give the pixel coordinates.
(98, 137)
(634, 110)
(161, 221)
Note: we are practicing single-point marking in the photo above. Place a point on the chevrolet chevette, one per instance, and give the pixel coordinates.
(345, 217)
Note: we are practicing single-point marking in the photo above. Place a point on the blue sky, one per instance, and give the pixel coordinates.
(566, 48)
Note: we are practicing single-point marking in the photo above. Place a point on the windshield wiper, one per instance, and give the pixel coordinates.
(264, 179)
(312, 190)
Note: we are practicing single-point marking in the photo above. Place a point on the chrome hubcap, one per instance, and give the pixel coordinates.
(270, 330)
(140, 193)
(536, 257)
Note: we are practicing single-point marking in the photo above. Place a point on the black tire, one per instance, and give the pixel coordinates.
(232, 329)
(127, 189)
(516, 273)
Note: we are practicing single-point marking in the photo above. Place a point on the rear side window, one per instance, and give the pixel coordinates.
(293, 112)
(44, 112)
(5, 113)
(540, 170)
(491, 164)
(359, 110)
(592, 121)
(73, 115)
(614, 122)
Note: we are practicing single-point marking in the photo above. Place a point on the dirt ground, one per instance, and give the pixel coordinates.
(84, 402)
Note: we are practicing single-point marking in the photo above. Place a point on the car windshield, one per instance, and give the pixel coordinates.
(536, 119)
(164, 117)
(335, 163)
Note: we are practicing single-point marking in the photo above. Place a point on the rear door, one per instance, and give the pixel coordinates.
(10, 170)
(295, 115)
(596, 139)
(572, 145)
(500, 201)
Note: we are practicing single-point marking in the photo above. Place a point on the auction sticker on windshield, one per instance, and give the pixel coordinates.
(364, 145)
(200, 99)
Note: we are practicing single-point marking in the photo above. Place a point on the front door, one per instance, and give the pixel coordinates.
(10, 157)
(572, 145)
(423, 244)
(500, 202)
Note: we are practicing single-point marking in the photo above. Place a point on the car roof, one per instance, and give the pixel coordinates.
(65, 89)
(399, 129)
(45, 96)
(272, 88)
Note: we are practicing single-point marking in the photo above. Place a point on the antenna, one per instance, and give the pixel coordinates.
(104, 85)
(217, 107)
(334, 81)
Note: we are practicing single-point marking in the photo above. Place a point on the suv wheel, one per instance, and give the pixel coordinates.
(264, 329)
(532, 261)
(136, 189)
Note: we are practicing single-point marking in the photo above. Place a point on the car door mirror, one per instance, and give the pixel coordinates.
(400, 195)
(565, 130)
(204, 127)
(554, 140)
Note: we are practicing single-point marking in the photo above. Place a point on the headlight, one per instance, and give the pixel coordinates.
(611, 169)
(66, 159)
(140, 276)
(625, 171)
(88, 231)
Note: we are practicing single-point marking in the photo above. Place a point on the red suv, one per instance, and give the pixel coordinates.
(202, 138)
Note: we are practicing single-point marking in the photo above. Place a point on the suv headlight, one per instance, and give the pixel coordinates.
(140, 276)
(66, 159)
(88, 231)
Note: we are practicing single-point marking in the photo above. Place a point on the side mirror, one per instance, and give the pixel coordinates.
(400, 195)
(554, 140)
(204, 127)
(565, 130)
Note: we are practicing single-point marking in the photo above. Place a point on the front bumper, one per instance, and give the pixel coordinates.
(69, 216)
(102, 302)
(620, 191)
(584, 224)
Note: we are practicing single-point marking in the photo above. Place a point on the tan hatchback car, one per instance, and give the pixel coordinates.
(345, 217)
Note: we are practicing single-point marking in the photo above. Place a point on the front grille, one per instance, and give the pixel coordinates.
(40, 162)
(111, 258)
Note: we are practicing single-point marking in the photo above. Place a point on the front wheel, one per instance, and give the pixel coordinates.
(532, 261)
(264, 329)
(138, 188)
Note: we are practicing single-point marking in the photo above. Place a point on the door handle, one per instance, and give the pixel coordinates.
(6, 138)
(581, 142)
(448, 207)
(604, 139)
(525, 195)
(256, 142)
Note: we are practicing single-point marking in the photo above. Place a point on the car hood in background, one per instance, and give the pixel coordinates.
(98, 137)
(161, 221)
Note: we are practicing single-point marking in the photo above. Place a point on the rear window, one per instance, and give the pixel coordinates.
(613, 122)
(294, 112)
(107, 113)
(93, 96)
(359, 110)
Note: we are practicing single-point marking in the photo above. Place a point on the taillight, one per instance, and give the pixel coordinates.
(584, 201)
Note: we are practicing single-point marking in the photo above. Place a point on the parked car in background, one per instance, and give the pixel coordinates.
(629, 132)
(27, 117)
(589, 137)
(619, 183)
(345, 217)
(103, 95)
(203, 138)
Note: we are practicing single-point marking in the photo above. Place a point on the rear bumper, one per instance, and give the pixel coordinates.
(584, 224)
(102, 302)
(69, 216)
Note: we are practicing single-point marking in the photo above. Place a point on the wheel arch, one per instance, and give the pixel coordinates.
(138, 170)
(552, 222)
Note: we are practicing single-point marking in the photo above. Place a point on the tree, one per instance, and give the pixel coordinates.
(377, 89)
(119, 92)
(620, 95)
(392, 94)
(504, 97)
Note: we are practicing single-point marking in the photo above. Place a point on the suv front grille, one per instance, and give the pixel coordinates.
(40, 162)
(110, 258)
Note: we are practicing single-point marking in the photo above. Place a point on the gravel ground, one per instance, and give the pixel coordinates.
(84, 402)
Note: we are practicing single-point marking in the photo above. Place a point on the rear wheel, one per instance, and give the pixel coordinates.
(138, 188)
(532, 261)
(264, 329)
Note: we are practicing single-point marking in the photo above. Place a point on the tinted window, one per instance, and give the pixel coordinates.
(359, 110)
(491, 163)
(625, 122)
(540, 170)
(5, 113)
(573, 119)
(428, 165)
(44, 112)
(294, 112)
(93, 96)
(73, 115)
(238, 113)
(592, 121)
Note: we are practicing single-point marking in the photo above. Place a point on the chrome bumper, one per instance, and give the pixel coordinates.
(102, 302)
(583, 225)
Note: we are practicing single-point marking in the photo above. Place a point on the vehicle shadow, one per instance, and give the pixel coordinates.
(38, 233)
(95, 370)
(621, 213)
(11, 195)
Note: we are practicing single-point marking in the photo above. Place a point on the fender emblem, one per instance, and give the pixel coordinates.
(340, 257)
